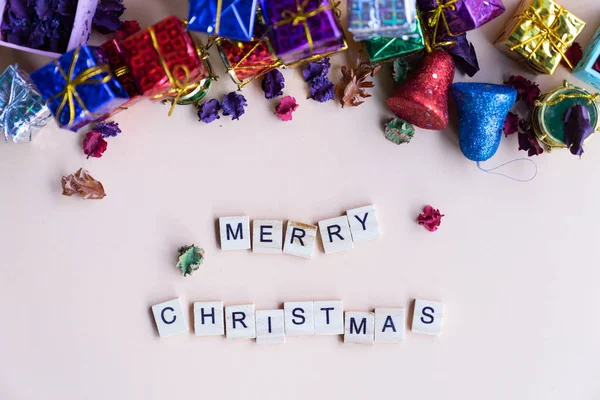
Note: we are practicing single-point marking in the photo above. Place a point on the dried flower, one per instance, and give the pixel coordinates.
(316, 69)
(401, 70)
(464, 55)
(273, 84)
(574, 54)
(107, 129)
(286, 107)
(209, 111)
(398, 131)
(94, 144)
(351, 88)
(431, 218)
(190, 259)
(577, 128)
(511, 124)
(527, 91)
(527, 140)
(83, 184)
(234, 104)
(321, 89)
(107, 17)
(127, 29)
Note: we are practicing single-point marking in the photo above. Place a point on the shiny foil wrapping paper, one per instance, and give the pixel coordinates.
(164, 60)
(303, 30)
(588, 69)
(384, 48)
(232, 19)
(23, 112)
(447, 18)
(540, 32)
(79, 88)
(368, 19)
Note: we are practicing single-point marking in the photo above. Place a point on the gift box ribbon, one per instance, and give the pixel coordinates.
(180, 87)
(546, 34)
(300, 16)
(69, 94)
(591, 98)
(437, 14)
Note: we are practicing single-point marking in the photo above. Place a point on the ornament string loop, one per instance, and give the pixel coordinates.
(69, 93)
(492, 171)
(546, 34)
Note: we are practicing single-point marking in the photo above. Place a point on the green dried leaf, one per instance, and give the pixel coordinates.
(399, 131)
(401, 70)
(190, 259)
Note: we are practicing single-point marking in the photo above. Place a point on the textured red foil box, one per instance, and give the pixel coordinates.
(173, 45)
(246, 60)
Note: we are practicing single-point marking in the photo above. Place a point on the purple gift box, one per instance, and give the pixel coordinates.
(302, 29)
(454, 17)
(80, 33)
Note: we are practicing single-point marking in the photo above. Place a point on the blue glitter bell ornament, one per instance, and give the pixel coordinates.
(482, 110)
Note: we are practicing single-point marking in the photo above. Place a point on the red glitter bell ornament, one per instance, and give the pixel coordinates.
(422, 100)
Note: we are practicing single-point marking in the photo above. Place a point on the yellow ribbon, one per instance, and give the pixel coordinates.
(180, 88)
(69, 93)
(300, 16)
(547, 34)
(437, 15)
(218, 16)
(589, 97)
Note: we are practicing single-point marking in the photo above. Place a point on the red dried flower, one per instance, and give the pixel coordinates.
(431, 218)
(527, 90)
(127, 29)
(574, 54)
(286, 107)
(527, 140)
(511, 124)
(94, 144)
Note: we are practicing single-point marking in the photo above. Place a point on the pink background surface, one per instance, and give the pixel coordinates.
(515, 264)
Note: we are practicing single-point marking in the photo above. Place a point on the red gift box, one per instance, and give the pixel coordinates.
(247, 60)
(164, 60)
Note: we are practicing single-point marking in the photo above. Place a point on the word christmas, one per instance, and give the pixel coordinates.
(385, 325)
(338, 234)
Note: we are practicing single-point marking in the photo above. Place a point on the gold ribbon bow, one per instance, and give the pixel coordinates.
(438, 14)
(300, 16)
(547, 34)
(180, 87)
(69, 93)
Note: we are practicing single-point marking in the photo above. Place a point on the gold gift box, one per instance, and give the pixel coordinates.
(540, 32)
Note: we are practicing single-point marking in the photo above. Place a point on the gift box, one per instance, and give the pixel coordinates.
(164, 60)
(46, 28)
(79, 88)
(368, 19)
(540, 32)
(23, 112)
(233, 19)
(385, 48)
(588, 69)
(303, 30)
(446, 18)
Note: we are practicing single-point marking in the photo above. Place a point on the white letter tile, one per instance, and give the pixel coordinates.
(428, 317)
(240, 322)
(235, 233)
(360, 328)
(390, 325)
(335, 233)
(170, 318)
(299, 318)
(300, 239)
(267, 236)
(270, 327)
(329, 317)
(363, 223)
(208, 318)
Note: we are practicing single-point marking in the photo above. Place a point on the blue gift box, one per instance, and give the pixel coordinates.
(588, 69)
(368, 19)
(232, 19)
(79, 88)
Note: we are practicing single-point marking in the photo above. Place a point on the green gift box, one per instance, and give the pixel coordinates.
(386, 48)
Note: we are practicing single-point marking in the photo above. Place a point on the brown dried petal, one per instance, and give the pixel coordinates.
(83, 184)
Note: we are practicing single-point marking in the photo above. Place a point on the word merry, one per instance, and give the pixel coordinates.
(338, 234)
(385, 325)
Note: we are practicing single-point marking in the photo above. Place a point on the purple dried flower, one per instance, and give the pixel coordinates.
(321, 89)
(42, 9)
(273, 84)
(209, 111)
(107, 129)
(106, 20)
(316, 69)
(234, 104)
(464, 55)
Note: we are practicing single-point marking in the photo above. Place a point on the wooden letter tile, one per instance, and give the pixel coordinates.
(240, 322)
(300, 239)
(363, 223)
(267, 236)
(428, 317)
(235, 233)
(299, 318)
(170, 318)
(208, 318)
(329, 317)
(270, 327)
(335, 233)
(360, 328)
(390, 325)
